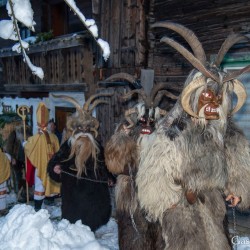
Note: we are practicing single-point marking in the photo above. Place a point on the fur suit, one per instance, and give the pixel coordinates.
(79, 167)
(122, 156)
(197, 159)
(86, 199)
(134, 230)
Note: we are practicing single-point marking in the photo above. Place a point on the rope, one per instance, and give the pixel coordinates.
(83, 178)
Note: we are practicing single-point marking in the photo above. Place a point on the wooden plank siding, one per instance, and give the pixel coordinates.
(110, 114)
(211, 21)
(70, 64)
(123, 27)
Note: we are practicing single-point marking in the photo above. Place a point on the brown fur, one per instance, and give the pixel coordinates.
(142, 235)
(125, 191)
(121, 156)
(120, 153)
(134, 231)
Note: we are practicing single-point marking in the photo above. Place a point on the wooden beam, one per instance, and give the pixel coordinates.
(147, 80)
(82, 87)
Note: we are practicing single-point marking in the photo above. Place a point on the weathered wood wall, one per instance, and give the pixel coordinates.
(126, 26)
(110, 114)
(123, 27)
(67, 65)
(211, 21)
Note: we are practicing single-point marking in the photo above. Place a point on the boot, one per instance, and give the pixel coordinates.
(38, 204)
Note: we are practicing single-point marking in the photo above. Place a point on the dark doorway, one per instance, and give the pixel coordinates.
(61, 117)
(59, 19)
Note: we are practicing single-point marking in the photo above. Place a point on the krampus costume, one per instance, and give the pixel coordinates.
(122, 154)
(79, 167)
(199, 156)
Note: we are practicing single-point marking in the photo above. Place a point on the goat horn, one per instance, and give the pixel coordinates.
(128, 119)
(140, 92)
(188, 35)
(241, 93)
(161, 94)
(236, 74)
(95, 131)
(156, 88)
(190, 57)
(97, 102)
(71, 100)
(186, 94)
(227, 44)
(124, 76)
(91, 98)
(162, 112)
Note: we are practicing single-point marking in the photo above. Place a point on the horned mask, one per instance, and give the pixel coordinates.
(82, 120)
(81, 126)
(213, 83)
(146, 112)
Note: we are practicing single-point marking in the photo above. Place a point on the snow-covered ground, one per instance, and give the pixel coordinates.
(23, 228)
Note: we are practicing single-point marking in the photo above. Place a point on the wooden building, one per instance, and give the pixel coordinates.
(75, 63)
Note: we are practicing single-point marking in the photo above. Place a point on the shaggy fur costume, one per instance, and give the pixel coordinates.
(199, 156)
(134, 229)
(85, 192)
(185, 174)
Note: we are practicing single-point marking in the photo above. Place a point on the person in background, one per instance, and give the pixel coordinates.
(13, 146)
(39, 149)
(4, 176)
(52, 128)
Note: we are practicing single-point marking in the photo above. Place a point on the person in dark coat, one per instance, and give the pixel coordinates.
(79, 167)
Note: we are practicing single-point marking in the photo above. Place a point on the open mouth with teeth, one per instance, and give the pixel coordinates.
(211, 112)
(146, 131)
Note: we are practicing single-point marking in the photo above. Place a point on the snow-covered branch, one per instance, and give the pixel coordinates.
(91, 26)
(21, 11)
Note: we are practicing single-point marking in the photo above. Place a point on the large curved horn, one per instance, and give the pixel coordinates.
(161, 94)
(119, 76)
(97, 102)
(127, 116)
(94, 130)
(162, 112)
(71, 100)
(158, 89)
(186, 94)
(236, 74)
(227, 44)
(92, 98)
(140, 92)
(188, 35)
(190, 57)
(241, 93)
